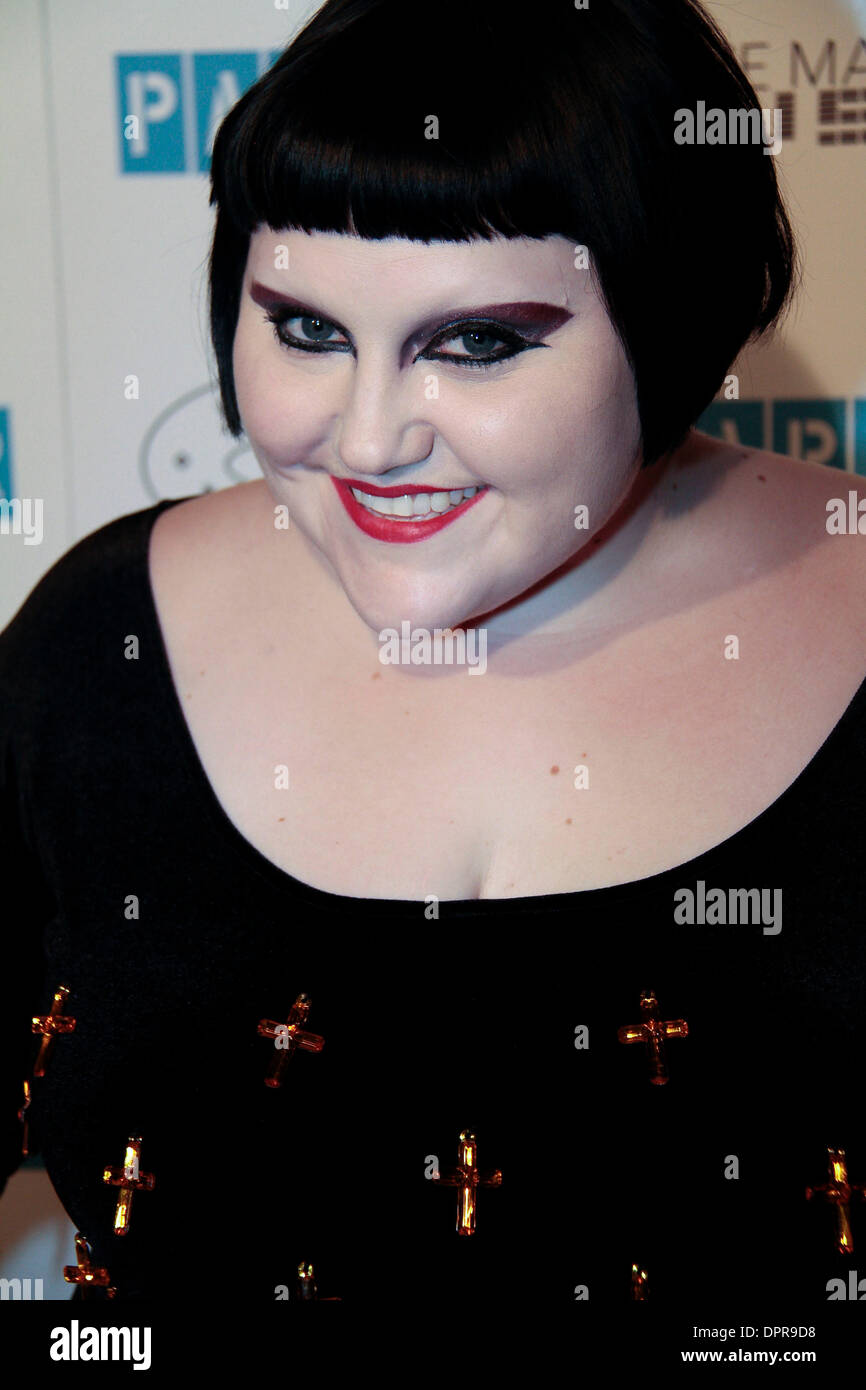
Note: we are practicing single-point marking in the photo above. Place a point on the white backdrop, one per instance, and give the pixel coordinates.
(103, 248)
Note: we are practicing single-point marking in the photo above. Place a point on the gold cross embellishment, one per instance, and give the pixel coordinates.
(639, 1284)
(84, 1272)
(289, 1038)
(51, 1025)
(839, 1192)
(652, 1031)
(306, 1289)
(22, 1115)
(467, 1179)
(129, 1180)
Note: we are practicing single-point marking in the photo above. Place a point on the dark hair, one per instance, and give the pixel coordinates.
(552, 120)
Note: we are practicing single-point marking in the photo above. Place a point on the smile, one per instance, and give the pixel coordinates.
(404, 514)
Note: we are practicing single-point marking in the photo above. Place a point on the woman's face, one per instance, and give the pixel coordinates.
(379, 390)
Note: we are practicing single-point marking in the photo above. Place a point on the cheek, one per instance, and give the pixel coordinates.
(281, 423)
(572, 424)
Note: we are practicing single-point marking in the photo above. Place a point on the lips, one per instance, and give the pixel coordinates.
(404, 514)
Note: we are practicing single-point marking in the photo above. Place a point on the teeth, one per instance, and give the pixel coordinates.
(414, 504)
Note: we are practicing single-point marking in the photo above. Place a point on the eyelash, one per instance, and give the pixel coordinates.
(504, 335)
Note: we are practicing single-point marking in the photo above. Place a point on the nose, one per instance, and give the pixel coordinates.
(382, 425)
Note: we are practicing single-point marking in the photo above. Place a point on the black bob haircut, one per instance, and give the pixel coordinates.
(552, 120)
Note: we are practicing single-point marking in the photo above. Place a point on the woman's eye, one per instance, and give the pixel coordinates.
(478, 347)
(312, 332)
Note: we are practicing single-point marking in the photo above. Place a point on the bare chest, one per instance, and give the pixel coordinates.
(366, 782)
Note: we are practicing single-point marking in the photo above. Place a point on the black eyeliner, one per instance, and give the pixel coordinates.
(279, 314)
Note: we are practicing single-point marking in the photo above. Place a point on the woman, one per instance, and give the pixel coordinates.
(468, 340)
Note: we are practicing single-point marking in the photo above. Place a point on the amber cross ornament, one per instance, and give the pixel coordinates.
(22, 1115)
(839, 1192)
(289, 1038)
(51, 1025)
(85, 1273)
(653, 1031)
(129, 1180)
(467, 1179)
(306, 1288)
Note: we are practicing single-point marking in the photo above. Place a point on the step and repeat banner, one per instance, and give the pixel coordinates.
(104, 242)
(103, 246)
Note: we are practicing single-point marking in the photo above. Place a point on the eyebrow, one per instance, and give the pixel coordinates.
(529, 314)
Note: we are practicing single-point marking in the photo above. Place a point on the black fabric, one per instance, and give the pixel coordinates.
(431, 1026)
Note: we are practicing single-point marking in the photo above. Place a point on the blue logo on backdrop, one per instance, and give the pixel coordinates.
(169, 105)
(810, 430)
(5, 455)
(815, 430)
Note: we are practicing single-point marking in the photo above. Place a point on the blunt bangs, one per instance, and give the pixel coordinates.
(464, 120)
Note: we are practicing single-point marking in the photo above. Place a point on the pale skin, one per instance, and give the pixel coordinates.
(606, 645)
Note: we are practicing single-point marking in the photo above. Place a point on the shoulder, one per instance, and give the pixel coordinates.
(766, 482)
(207, 552)
(78, 592)
(227, 519)
(799, 526)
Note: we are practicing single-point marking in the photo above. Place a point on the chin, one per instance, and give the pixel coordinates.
(381, 611)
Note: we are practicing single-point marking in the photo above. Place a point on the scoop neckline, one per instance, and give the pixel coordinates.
(259, 863)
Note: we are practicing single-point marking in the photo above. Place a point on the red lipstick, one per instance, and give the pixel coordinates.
(400, 530)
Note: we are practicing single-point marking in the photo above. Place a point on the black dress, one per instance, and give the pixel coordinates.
(126, 882)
